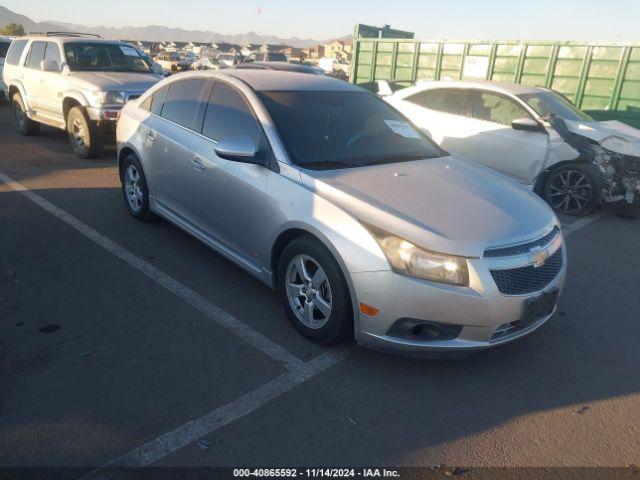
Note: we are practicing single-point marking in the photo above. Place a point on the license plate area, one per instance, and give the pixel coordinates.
(536, 308)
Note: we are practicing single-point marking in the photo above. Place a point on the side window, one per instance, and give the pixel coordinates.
(183, 101)
(228, 114)
(36, 55)
(15, 52)
(53, 53)
(448, 100)
(158, 100)
(146, 105)
(259, 57)
(497, 108)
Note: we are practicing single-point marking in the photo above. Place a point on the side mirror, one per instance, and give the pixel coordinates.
(239, 148)
(49, 66)
(527, 124)
(157, 69)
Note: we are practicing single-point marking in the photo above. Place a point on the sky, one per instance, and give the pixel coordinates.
(590, 20)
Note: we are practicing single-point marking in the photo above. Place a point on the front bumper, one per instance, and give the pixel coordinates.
(484, 314)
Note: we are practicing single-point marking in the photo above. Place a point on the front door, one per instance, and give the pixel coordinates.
(491, 140)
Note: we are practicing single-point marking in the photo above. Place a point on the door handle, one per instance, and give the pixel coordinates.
(197, 164)
(150, 136)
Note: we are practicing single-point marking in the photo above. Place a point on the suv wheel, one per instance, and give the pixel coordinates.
(573, 189)
(86, 139)
(24, 124)
(135, 190)
(314, 293)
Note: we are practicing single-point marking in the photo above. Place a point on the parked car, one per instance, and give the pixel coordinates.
(171, 62)
(325, 192)
(74, 82)
(281, 67)
(386, 87)
(227, 59)
(535, 135)
(270, 57)
(4, 47)
(206, 64)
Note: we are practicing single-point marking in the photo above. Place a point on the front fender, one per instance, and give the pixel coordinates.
(78, 96)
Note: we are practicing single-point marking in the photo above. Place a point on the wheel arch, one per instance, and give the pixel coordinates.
(538, 186)
(289, 234)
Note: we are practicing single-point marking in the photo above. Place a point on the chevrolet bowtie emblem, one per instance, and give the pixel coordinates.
(539, 257)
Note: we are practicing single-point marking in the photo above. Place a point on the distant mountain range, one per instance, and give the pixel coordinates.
(152, 33)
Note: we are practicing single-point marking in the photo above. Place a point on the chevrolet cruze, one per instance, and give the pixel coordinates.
(327, 194)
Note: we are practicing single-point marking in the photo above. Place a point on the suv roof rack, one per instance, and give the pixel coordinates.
(62, 34)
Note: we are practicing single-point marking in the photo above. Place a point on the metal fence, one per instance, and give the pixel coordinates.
(602, 79)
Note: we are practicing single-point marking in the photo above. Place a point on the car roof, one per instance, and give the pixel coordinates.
(273, 80)
(72, 39)
(501, 87)
(280, 66)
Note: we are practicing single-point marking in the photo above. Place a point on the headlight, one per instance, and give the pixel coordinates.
(408, 259)
(108, 98)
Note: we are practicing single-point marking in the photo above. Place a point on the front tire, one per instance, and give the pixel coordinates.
(24, 124)
(135, 190)
(86, 138)
(573, 189)
(314, 293)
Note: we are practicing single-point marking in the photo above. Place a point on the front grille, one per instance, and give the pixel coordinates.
(529, 279)
(523, 248)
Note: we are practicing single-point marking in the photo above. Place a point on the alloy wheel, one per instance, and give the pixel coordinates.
(569, 191)
(20, 116)
(79, 133)
(133, 188)
(308, 291)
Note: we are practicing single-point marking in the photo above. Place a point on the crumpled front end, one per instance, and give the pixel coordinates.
(613, 149)
(621, 175)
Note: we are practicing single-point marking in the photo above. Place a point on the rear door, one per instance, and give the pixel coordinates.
(492, 141)
(33, 80)
(440, 113)
(167, 138)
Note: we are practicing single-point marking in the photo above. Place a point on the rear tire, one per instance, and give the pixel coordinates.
(24, 124)
(314, 293)
(87, 140)
(135, 190)
(573, 189)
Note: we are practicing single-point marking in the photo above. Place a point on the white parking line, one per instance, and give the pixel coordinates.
(191, 431)
(298, 370)
(580, 224)
(215, 313)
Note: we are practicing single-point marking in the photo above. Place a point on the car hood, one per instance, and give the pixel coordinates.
(124, 81)
(612, 135)
(446, 204)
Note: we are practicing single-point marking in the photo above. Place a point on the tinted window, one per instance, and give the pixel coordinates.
(228, 114)
(158, 100)
(146, 105)
(496, 108)
(36, 55)
(15, 52)
(183, 101)
(259, 57)
(53, 53)
(442, 100)
(338, 129)
(4, 46)
(277, 57)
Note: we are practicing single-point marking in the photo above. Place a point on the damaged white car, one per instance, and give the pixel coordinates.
(534, 135)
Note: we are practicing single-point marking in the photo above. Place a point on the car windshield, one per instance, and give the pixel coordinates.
(4, 46)
(548, 103)
(328, 130)
(105, 57)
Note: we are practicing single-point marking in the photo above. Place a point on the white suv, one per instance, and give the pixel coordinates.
(74, 82)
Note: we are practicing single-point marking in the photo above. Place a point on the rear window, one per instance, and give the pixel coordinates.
(15, 52)
(448, 100)
(184, 100)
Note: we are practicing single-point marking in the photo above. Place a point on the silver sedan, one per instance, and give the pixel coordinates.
(328, 194)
